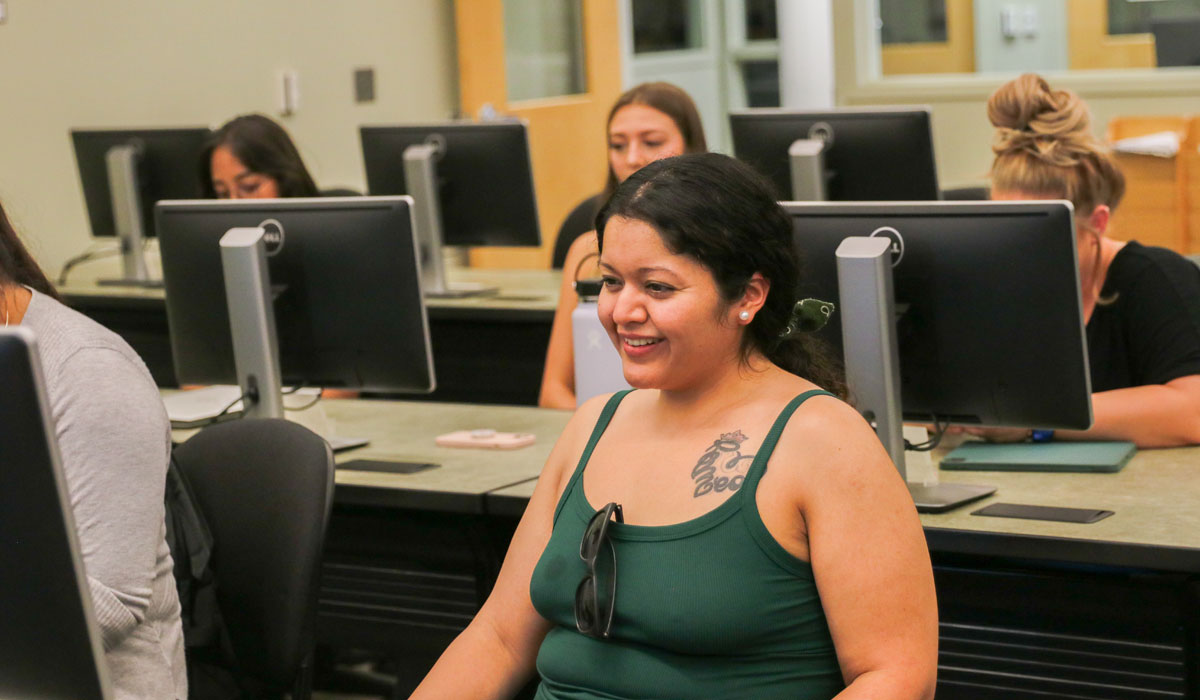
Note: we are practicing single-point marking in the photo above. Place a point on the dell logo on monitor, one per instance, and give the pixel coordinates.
(272, 236)
(897, 242)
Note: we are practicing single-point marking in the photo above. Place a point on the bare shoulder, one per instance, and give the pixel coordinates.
(826, 438)
(569, 447)
(583, 246)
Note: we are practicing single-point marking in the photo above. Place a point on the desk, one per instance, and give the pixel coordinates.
(1028, 608)
(488, 349)
(1041, 609)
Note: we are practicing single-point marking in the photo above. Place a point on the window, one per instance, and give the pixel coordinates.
(543, 48)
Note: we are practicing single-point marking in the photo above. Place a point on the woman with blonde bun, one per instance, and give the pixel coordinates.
(1141, 304)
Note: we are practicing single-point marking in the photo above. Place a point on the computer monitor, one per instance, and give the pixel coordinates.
(852, 154)
(988, 324)
(49, 640)
(308, 292)
(1176, 41)
(123, 173)
(472, 185)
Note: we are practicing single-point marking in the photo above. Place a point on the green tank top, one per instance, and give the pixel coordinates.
(712, 607)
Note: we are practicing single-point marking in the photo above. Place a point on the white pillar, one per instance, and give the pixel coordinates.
(805, 53)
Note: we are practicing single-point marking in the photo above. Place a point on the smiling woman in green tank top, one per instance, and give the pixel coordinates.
(730, 528)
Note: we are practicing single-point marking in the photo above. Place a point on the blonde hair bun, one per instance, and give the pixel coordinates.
(1030, 117)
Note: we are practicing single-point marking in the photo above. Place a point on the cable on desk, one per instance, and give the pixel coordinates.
(939, 430)
(86, 256)
(306, 406)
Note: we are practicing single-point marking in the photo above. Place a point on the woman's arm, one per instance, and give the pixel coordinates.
(868, 555)
(558, 375)
(494, 656)
(113, 436)
(1157, 415)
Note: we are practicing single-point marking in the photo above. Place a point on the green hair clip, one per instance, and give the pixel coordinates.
(808, 316)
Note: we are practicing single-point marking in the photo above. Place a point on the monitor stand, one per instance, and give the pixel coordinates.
(420, 178)
(868, 310)
(806, 160)
(252, 325)
(122, 163)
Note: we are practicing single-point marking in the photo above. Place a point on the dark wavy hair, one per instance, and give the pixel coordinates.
(721, 213)
(16, 264)
(263, 147)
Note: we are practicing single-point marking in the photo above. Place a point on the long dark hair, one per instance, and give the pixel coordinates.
(263, 147)
(16, 264)
(721, 213)
(672, 101)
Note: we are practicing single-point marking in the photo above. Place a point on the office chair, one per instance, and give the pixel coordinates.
(974, 193)
(340, 192)
(581, 220)
(265, 487)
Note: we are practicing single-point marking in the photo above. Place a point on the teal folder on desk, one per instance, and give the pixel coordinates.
(1040, 457)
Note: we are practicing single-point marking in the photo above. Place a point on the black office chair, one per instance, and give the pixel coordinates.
(581, 220)
(340, 192)
(265, 487)
(974, 193)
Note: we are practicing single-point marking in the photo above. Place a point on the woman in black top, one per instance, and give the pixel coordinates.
(1141, 304)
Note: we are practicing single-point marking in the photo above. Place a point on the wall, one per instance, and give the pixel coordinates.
(130, 63)
(961, 132)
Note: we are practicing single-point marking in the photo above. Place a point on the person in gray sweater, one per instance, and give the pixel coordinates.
(114, 439)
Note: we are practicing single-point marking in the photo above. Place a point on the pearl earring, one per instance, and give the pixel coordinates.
(745, 315)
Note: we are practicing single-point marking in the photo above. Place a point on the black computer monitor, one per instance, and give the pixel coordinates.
(1176, 41)
(850, 154)
(124, 172)
(482, 176)
(988, 320)
(49, 641)
(344, 284)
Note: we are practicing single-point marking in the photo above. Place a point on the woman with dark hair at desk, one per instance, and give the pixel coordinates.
(114, 441)
(756, 542)
(252, 157)
(648, 122)
(1141, 304)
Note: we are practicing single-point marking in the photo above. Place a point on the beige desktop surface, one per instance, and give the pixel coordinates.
(1155, 500)
(405, 431)
(534, 290)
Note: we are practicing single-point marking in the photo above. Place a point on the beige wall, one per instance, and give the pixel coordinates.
(127, 63)
(961, 132)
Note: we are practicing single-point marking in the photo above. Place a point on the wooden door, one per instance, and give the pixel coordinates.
(567, 140)
(1091, 46)
(955, 55)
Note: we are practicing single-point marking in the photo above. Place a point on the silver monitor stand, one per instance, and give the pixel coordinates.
(420, 177)
(864, 267)
(252, 326)
(806, 158)
(122, 164)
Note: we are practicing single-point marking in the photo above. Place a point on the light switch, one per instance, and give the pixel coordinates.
(289, 92)
(3, 11)
(1029, 24)
(1008, 22)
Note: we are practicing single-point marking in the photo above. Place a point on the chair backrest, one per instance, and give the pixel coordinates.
(581, 220)
(973, 193)
(266, 488)
(49, 641)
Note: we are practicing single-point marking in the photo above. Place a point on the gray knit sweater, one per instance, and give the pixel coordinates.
(114, 439)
